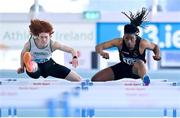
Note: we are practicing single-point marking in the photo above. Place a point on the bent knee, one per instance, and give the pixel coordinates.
(72, 76)
(138, 64)
(78, 79)
(95, 79)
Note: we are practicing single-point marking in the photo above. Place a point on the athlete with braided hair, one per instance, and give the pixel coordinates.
(132, 49)
(37, 52)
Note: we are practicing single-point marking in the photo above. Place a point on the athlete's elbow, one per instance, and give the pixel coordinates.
(98, 48)
(156, 48)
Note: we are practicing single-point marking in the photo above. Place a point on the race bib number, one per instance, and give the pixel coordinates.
(41, 60)
(129, 61)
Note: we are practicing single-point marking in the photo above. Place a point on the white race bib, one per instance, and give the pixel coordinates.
(129, 61)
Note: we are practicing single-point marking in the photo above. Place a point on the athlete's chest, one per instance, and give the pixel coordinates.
(129, 56)
(133, 54)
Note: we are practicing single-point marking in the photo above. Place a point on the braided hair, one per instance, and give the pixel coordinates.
(135, 21)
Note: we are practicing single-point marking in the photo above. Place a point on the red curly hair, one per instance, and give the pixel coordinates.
(38, 26)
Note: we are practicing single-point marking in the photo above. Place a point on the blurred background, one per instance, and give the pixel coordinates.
(82, 24)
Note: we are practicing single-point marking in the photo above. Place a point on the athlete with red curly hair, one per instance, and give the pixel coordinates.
(36, 56)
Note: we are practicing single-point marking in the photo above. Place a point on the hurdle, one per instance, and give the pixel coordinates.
(69, 96)
(122, 95)
(27, 94)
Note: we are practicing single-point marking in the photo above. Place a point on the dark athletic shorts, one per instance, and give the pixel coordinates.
(50, 68)
(123, 70)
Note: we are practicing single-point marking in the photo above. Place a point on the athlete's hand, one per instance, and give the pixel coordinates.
(157, 58)
(74, 62)
(105, 55)
(20, 70)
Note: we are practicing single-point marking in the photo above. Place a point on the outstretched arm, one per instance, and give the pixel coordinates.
(56, 45)
(152, 46)
(156, 51)
(101, 47)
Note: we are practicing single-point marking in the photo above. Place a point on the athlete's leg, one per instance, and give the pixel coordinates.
(34, 75)
(104, 75)
(59, 71)
(73, 76)
(30, 65)
(139, 68)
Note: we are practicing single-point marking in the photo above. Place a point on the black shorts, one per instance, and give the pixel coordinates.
(50, 68)
(122, 70)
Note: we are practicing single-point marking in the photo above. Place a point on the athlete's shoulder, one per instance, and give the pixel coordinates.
(143, 42)
(27, 46)
(56, 45)
(117, 41)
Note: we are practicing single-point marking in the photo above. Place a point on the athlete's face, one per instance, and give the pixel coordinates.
(130, 40)
(43, 39)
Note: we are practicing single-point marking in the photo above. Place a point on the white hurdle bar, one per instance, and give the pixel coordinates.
(120, 95)
(30, 93)
(74, 95)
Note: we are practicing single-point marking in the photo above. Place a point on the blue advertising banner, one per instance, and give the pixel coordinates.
(166, 35)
